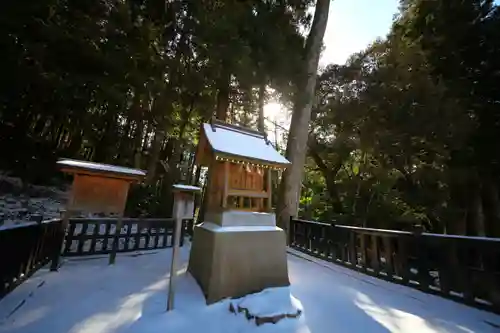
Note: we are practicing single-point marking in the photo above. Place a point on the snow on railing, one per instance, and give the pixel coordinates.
(462, 268)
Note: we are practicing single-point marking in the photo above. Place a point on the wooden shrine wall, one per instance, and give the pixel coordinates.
(98, 194)
(238, 186)
(244, 177)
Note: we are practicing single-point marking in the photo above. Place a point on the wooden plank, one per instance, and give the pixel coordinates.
(95, 236)
(402, 260)
(99, 194)
(353, 259)
(127, 235)
(157, 236)
(148, 236)
(137, 236)
(388, 250)
(226, 177)
(69, 238)
(269, 190)
(80, 238)
(247, 193)
(106, 236)
(116, 238)
(374, 254)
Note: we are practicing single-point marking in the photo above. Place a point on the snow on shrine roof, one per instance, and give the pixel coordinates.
(182, 187)
(237, 141)
(98, 167)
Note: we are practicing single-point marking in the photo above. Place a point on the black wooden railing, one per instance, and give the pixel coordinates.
(466, 269)
(25, 248)
(89, 236)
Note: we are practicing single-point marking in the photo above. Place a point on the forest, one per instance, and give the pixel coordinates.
(403, 134)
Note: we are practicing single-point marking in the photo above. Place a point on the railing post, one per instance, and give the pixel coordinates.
(422, 259)
(353, 256)
(291, 232)
(57, 244)
(116, 240)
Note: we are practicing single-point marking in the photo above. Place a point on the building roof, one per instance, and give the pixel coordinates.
(75, 166)
(239, 142)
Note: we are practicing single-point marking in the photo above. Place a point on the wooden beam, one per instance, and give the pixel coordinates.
(247, 193)
(269, 190)
(226, 184)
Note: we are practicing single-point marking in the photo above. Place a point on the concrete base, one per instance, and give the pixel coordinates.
(235, 261)
(239, 218)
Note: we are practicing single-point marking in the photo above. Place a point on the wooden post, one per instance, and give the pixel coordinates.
(116, 239)
(59, 242)
(269, 191)
(181, 211)
(173, 266)
(226, 184)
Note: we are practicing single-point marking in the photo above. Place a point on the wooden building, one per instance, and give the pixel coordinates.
(99, 188)
(238, 249)
(240, 161)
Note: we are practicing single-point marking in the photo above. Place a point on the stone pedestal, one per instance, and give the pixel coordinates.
(238, 254)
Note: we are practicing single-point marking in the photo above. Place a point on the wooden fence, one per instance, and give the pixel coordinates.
(465, 269)
(25, 248)
(90, 236)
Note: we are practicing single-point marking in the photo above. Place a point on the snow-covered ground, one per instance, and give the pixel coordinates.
(88, 296)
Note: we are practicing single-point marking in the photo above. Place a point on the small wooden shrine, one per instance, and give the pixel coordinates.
(99, 188)
(240, 161)
(237, 249)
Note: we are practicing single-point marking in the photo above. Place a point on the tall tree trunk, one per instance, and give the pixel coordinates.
(223, 96)
(155, 154)
(491, 203)
(159, 109)
(190, 172)
(262, 99)
(299, 127)
(476, 225)
(329, 174)
(139, 128)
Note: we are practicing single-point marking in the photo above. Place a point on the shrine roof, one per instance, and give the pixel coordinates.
(75, 166)
(235, 141)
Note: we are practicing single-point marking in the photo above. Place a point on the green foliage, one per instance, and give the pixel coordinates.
(404, 133)
(129, 82)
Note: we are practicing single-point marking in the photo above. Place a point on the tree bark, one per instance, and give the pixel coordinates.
(154, 155)
(262, 99)
(299, 128)
(223, 96)
(476, 225)
(329, 175)
(491, 203)
(139, 129)
(160, 110)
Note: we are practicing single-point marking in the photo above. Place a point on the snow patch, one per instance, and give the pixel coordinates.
(268, 306)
